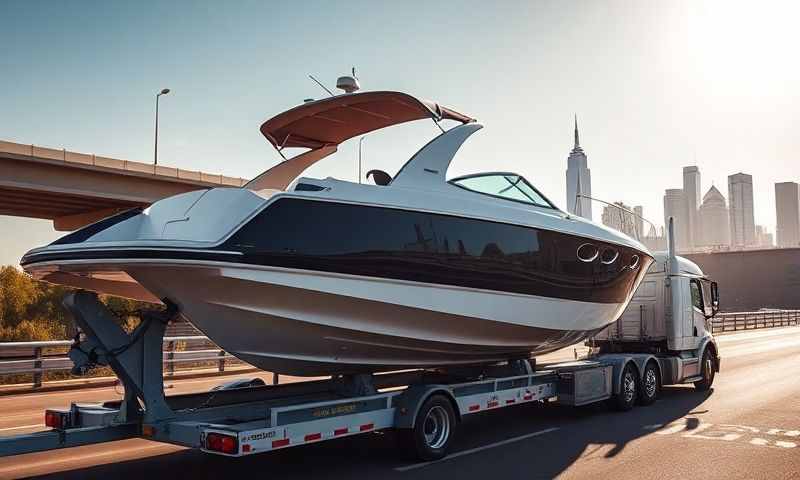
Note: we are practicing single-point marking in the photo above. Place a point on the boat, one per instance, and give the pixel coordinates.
(313, 277)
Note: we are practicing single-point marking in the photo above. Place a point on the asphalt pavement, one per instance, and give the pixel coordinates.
(747, 427)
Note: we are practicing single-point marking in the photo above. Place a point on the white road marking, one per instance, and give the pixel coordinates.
(725, 432)
(477, 449)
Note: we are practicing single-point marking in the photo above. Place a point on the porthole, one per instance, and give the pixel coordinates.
(587, 252)
(609, 256)
(634, 263)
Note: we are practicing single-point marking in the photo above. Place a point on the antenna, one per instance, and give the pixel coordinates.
(321, 85)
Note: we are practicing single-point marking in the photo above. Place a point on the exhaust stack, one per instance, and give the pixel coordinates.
(672, 260)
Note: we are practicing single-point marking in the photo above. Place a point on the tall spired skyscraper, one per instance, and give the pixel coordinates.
(579, 180)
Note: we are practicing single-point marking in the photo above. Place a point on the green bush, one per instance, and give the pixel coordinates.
(32, 310)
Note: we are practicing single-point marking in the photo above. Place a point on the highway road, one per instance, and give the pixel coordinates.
(747, 427)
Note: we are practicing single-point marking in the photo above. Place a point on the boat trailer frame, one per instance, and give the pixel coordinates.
(251, 420)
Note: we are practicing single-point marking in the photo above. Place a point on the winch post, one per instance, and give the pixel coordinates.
(135, 358)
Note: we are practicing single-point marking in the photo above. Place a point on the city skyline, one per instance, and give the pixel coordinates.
(715, 223)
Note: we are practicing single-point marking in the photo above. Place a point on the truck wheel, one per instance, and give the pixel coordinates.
(708, 372)
(433, 429)
(651, 384)
(628, 386)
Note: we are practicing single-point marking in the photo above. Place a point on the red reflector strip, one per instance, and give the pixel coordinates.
(510, 401)
(340, 431)
(280, 443)
(366, 426)
(474, 408)
(313, 436)
(492, 404)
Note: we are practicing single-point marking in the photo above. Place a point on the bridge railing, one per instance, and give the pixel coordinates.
(179, 353)
(182, 353)
(737, 321)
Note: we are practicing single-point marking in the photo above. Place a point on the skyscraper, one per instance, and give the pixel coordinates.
(742, 221)
(618, 216)
(787, 213)
(713, 225)
(675, 206)
(578, 173)
(691, 191)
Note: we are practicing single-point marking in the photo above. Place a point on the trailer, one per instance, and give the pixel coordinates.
(628, 365)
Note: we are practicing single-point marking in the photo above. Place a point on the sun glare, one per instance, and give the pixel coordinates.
(745, 48)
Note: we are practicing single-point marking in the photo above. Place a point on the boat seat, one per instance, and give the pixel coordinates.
(380, 177)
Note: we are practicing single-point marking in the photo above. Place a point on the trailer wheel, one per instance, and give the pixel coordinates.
(708, 372)
(433, 429)
(628, 387)
(651, 384)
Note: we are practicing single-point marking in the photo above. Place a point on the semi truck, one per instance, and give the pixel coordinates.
(664, 337)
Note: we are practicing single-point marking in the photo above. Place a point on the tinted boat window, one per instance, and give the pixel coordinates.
(503, 185)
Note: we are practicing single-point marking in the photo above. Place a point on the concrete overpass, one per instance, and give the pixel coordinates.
(73, 189)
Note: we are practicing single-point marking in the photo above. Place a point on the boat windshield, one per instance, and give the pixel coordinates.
(509, 186)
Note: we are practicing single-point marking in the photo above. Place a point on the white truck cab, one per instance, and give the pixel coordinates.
(669, 317)
(669, 311)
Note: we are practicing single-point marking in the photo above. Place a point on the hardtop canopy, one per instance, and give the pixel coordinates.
(323, 124)
(331, 121)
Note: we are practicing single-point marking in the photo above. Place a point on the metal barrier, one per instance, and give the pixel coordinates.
(35, 358)
(737, 321)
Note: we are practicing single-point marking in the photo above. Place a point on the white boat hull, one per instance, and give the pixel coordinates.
(310, 323)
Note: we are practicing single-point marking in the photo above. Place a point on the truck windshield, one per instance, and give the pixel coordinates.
(503, 185)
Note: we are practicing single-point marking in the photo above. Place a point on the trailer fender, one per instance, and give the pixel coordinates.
(408, 404)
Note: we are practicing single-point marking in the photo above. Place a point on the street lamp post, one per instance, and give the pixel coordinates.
(155, 148)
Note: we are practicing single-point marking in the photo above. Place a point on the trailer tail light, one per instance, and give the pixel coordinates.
(56, 419)
(220, 442)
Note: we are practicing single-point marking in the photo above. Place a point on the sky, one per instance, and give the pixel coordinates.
(655, 85)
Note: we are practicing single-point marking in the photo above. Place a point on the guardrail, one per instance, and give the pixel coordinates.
(36, 358)
(737, 321)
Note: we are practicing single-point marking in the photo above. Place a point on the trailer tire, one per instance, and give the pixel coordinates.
(708, 372)
(650, 385)
(628, 387)
(434, 427)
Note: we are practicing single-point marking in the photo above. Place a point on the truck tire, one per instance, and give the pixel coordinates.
(651, 384)
(434, 427)
(628, 386)
(707, 371)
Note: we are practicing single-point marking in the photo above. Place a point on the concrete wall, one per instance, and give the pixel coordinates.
(753, 279)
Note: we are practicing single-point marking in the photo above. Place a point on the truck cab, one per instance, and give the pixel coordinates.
(670, 312)
(669, 316)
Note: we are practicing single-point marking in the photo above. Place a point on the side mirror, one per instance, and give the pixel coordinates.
(714, 297)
